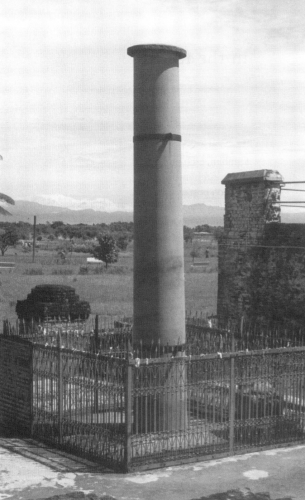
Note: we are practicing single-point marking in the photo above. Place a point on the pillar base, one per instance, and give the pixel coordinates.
(160, 396)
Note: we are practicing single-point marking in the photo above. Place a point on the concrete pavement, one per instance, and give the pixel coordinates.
(29, 470)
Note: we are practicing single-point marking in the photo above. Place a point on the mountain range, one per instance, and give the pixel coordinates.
(193, 215)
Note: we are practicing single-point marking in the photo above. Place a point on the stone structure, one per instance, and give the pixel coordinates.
(159, 301)
(52, 302)
(261, 260)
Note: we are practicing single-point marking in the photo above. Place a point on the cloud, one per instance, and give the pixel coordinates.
(66, 91)
(99, 204)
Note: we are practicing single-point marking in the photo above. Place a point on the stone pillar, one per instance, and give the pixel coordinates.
(249, 205)
(159, 300)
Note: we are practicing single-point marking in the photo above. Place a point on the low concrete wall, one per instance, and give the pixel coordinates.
(15, 386)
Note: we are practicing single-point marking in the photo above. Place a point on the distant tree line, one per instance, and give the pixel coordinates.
(81, 237)
(84, 237)
(57, 229)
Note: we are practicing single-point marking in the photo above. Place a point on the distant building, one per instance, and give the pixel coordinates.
(203, 237)
(93, 260)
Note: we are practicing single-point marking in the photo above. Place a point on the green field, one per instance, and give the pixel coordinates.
(109, 293)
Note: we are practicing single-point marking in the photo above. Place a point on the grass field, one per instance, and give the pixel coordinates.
(109, 293)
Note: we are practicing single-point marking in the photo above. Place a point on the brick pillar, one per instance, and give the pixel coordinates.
(249, 205)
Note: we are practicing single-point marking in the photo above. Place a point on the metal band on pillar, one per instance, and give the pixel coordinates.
(157, 137)
(159, 297)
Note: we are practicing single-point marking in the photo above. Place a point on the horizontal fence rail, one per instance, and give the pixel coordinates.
(231, 390)
(204, 335)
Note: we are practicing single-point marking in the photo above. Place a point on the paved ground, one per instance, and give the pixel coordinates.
(30, 471)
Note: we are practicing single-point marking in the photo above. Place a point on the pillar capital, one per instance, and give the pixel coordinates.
(253, 176)
(155, 49)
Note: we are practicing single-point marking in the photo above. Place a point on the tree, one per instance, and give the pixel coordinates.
(61, 256)
(195, 252)
(8, 238)
(122, 241)
(203, 228)
(188, 234)
(7, 199)
(106, 249)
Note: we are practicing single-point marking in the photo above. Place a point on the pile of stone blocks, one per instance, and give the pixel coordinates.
(47, 302)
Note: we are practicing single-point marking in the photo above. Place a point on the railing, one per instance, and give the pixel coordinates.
(194, 407)
(106, 335)
(210, 336)
(134, 413)
(113, 335)
(79, 403)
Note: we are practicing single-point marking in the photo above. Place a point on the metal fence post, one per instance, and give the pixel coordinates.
(96, 333)
(32, 388)
(60, 388)
(232, 397)
(128, 413)
(96, 349)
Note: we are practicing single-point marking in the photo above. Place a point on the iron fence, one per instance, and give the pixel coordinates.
(195, 407)
(204, 335)
(131, 413)
(106, 335)
(79, 402)
(241, 336)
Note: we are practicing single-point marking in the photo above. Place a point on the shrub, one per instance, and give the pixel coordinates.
(103, 270)
(62, 271)
(84, 248)
(98, 270)
(118, 270)
(34, 271)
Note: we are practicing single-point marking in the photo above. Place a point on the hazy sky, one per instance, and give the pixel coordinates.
(67, 93)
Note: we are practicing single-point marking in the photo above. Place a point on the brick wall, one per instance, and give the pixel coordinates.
(277, 279)
(15, 385)
(261, 260)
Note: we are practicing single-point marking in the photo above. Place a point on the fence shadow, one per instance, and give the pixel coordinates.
(57, 460)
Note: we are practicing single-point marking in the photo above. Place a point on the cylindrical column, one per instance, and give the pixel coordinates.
(159, 300)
